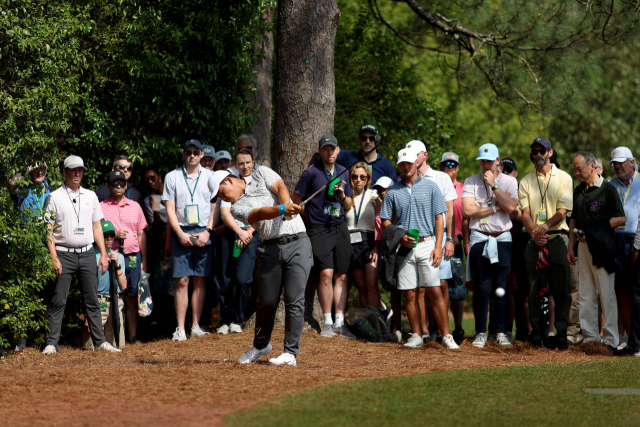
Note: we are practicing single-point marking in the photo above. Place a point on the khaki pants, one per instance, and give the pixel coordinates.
(574, 305)
(107, 325)
(595, 280)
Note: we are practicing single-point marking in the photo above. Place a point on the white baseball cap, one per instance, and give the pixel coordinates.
(222, 155)
(407, 155)
(73, 162)
(384, 182)
(215, 180)
(621, 154)
(417, 146)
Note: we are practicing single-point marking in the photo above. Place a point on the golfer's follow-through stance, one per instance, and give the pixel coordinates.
(284, 255)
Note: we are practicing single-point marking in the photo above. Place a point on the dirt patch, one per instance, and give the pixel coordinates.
(196, 382)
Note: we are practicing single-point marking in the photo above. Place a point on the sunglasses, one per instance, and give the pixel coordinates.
(123, 167)
(450, 164)
(535, 151)
(118, 184)
(110, 235)
(192, 152)
(367, 138)
(359, 177)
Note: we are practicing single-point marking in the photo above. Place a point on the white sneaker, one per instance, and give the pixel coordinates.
(22, 344)
(623, 342)
(234, 328)
(223, 330)
(396, 336)
(449, 343)
(480, 341)
(50, 349)
(196, 331)
(179, 335)
(414, 341)
(284, 359)
(503, 340)
(253, 354)
(105, 346)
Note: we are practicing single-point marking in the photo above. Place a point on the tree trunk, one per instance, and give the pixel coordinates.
(262, 97)
(305, 96)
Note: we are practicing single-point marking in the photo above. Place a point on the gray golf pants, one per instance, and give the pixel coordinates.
(287, 267)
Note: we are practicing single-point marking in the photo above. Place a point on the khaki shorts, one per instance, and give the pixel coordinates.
(417, 271)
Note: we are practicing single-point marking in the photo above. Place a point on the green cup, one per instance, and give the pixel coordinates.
(237, 250)
(415, 234)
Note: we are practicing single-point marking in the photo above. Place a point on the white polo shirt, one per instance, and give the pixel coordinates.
(176, 189)
(444, 183)
(69, 217)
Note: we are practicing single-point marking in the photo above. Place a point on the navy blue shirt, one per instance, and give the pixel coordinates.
(381, 166)
(319, 208)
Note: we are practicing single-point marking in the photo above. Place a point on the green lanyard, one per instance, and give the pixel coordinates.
(624, 198)
(184, 175)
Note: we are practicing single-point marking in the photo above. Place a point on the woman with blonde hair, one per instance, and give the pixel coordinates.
(361, 221)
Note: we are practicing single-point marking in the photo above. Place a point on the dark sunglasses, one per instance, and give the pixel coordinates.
(360, 177)
(535, 151)
(192, 152)
(450, 164)
(506, 169)
(369, 138)
(118, 184)
(123, 167)
(110, 235)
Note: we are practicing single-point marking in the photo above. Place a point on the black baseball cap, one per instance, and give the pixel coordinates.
(327, 140)
(368, 127)
(116, 176)
(542, 140)
(510, 163)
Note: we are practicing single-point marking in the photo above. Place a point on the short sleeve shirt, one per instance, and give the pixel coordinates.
(600, 202)
(414, 206)
(72, 221)
(126, 216)
(318, 208)
(631, 205)
(557, 189)
(178, 187)
(104, 280)
(364, 207)
(257, 194)
(475, 188)
(380, 167)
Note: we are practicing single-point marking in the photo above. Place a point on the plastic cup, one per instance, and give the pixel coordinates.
(155, 202)
(415, 234)
(237, 250)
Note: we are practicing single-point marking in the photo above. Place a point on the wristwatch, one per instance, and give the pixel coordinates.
(450, 239)
(496, 186)
(118, 268)
(210, 231)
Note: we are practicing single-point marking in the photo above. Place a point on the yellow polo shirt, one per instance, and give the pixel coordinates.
(559, 194)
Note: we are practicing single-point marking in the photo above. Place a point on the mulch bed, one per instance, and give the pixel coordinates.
(196, 382)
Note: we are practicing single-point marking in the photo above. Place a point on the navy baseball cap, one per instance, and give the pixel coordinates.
(542, 140)
(116, 176)
(193, 142)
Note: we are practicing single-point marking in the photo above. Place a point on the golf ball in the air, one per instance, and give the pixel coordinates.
(500, 292)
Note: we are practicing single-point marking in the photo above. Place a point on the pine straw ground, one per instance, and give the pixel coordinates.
(196, 382)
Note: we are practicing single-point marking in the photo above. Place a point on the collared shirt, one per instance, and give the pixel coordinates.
(311, 181)
(600, 202)
(257, 194)
(104, 280)
(457, 208)
(364, 205)
(475, 188)
(632, 205)
(381, 166)
(127, 216)
(73, 222)
(416, 210)
(176, 189)
(443, 181)
(557, 188)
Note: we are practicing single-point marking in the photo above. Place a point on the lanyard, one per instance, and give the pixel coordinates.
(359, 211)
(545, 191)
(489, 198)
(73, 204)
(184, 174)
(624, 198)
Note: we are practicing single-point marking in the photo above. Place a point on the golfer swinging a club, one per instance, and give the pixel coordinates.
(284, 255)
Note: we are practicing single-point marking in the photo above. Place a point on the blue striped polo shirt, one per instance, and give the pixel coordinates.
(631, 205)
(414, 206)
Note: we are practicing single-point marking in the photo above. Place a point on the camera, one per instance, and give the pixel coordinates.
(579, 233)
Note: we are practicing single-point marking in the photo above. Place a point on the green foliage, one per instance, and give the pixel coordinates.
(375, 84)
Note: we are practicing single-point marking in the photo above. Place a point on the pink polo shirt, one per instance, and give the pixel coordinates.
(128, 216)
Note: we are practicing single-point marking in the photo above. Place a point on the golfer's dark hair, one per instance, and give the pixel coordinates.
(245, 150)
(587, 155)
(121, 157)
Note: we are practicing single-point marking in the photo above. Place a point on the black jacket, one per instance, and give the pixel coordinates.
(602, 245)
(393, 255)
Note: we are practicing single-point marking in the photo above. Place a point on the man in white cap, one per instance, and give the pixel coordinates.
(415, 204)
(284, 256)
(443, 181)
(74, 216)
(487, 199)
(625, 167)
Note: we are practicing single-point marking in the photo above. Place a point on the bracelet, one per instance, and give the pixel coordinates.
(120, 274)
(282, 209)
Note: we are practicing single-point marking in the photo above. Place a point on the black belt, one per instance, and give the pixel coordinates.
(551, 233)
(285, 239)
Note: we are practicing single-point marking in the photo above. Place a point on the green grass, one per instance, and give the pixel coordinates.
(547, 395)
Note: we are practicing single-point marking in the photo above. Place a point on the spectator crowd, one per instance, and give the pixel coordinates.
(556, 260)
